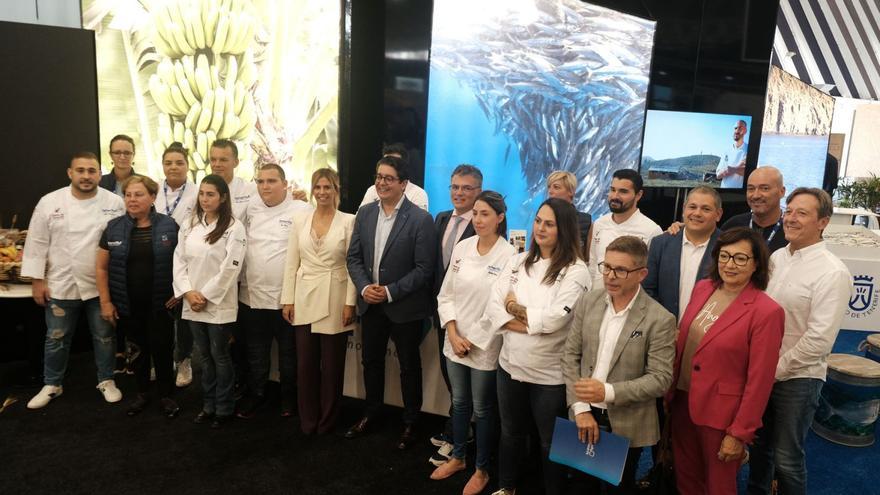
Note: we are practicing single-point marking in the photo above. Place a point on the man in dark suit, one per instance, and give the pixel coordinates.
(391, 262)
(452, 226)
(676, 262)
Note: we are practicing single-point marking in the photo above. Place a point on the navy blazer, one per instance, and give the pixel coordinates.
(440, 224)
(407, 263)
(664, 268)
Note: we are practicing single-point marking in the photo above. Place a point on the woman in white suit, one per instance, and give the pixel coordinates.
(318, 299)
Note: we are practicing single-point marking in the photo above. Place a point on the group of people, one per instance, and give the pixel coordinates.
(710, 335)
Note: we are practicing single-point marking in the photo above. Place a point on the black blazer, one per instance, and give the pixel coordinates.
(407, 263)
(440, 224)
(664, 268)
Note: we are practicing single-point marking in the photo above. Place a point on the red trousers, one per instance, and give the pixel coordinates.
(695, 454)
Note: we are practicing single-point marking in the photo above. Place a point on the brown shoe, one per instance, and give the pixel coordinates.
(477, 483)
(448, 469)
(407, 437)
(359, 428)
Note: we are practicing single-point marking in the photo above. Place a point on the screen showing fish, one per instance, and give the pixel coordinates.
(521, 88)
(688, 149)
(797, 126)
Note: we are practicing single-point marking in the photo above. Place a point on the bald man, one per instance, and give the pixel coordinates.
(764, 194)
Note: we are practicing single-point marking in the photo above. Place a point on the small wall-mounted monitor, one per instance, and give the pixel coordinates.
(688, 149)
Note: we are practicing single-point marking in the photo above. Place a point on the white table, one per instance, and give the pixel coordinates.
(15, 291)
(859, 249)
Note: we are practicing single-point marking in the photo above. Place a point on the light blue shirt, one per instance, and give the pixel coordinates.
(384, 224)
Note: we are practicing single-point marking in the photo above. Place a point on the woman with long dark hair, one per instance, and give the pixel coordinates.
(207, 262)
(530, 307)
(471, 360)
(725, 366)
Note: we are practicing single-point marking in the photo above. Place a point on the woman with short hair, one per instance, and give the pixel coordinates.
(726, 354)
(134, 278)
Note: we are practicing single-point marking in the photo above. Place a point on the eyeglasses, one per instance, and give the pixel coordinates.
(739, 259)
(467, 189)
(619, 272)
(387, 179)
(122, 153)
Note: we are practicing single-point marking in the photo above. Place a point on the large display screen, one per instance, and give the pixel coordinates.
(688, 149)
(521, 88)
(262, 73)
(797, 126)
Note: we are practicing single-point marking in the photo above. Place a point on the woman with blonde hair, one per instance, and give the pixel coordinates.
(318, 298)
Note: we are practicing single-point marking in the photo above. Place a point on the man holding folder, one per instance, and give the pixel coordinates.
(618, 356)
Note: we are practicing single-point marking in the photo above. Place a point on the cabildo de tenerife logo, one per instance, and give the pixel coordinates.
(865, 297)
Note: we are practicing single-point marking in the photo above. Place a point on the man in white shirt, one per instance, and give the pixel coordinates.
(224, 159)
(452, 226)
(59, 254)
(813, 287)
(618, 355)
(624, 219)
(269, 218)
(414, 193)
(732, 166)
(677, 261)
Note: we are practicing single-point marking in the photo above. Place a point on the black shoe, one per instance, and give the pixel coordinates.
(359, 428)
(219, 421)
(407, 437)
(169, 408)
(248, 406)
(121, 365)
(287, 409)
(203, 417)
(137, 405)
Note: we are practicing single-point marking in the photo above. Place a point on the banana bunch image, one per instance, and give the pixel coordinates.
(204, 80)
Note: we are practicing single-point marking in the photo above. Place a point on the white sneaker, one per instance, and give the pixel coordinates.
(442, 455)
(109, 390)
(184, 373)
(46, 394)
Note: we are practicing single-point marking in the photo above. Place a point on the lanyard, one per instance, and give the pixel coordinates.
(772, 233)
(169, 211)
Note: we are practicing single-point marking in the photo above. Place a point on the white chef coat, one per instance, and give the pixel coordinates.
(241, 191)
(813, 287)
(463, 297)
(268, 231)
(536, 356)
(731, 159)
(605, 230)
(414, 193)
(211, 269)
(62, 241)
(167, 204)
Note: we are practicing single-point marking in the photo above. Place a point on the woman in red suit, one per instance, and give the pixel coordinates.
(725, 364)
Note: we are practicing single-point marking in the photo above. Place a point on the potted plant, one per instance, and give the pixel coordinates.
(860, 193)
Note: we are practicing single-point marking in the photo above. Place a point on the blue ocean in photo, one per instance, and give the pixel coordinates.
(460, 132)
(801, 159)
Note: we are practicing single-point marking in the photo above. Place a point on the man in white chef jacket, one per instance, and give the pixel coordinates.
(224, 160)
(59, 255)
(268, 222)
(177, 199)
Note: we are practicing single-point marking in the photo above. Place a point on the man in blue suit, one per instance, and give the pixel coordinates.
(391, 260)
(676, 262)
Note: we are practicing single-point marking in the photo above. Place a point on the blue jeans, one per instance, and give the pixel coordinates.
(475, 389)
(522, 405)
(62, 316)
(215, 362)
(779, 444)
(183, 340)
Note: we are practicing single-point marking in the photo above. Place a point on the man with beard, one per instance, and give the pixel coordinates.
(59, 255)
(764, 194)
(624, 219)
(732, 167)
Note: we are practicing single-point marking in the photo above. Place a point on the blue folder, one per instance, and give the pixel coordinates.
(604, 459)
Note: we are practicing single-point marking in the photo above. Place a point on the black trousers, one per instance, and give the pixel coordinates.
(261, 327)
(377, 328)
(153, 333)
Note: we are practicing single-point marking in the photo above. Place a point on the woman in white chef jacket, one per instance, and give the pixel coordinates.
(318, 298)
(531, 306)
(207, 263)
(471, 353)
